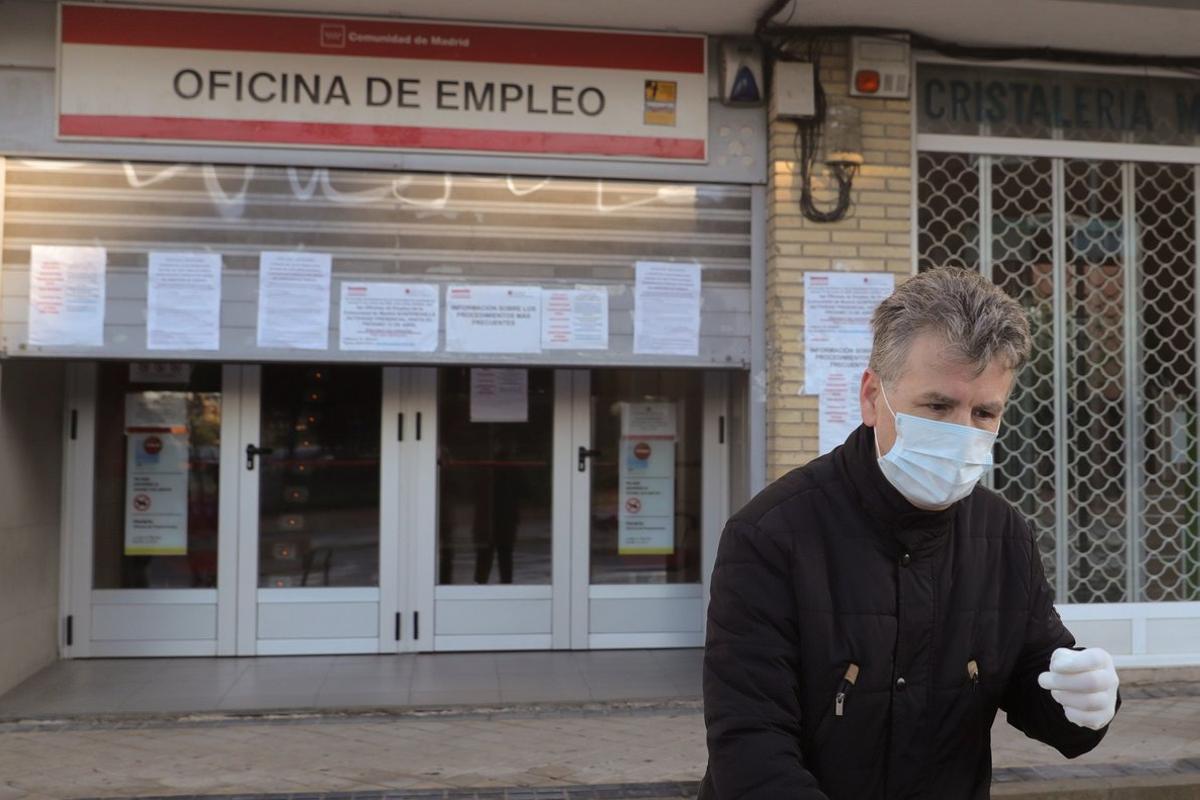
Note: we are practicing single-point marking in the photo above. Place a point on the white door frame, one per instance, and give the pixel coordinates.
(689, 601)
(305, 620)
(140, 622)
(470, 617)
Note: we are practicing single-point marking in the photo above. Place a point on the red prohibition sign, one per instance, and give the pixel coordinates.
(152, 445)
(633, 505)
(641, 451)
(141, 502)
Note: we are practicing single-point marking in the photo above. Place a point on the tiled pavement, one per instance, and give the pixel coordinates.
(635, 749)
(114, 686)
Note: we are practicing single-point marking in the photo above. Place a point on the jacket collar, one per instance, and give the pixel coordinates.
(859, 464)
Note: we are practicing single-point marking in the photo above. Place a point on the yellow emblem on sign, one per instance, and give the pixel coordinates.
(660, 102)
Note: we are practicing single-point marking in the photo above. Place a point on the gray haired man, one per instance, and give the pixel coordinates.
(873, 609)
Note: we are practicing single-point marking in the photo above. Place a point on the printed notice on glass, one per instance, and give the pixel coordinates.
(156, 494)
(66, 296)
(156, 411)
(666, 316)
(837, 322)
(839, 412)
(293, 300)
(183, 301)
(494, 319)
(575, 319)
(646, 510)
(499, 395)
(392, 317)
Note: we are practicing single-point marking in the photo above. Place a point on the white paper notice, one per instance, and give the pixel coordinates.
(494, 319)
(646, 511)
(839, 411)
(574, 319)
(293, 300)
(837, 322)
(156, 411)
(183, 302)
(66, 296)
(397, 317)
(499, 395)
(666, 316)
(156, 494)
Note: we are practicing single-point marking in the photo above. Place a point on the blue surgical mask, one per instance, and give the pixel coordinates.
(935, 464)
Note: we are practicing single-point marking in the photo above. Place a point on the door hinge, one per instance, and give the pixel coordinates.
(416, 625)
(74, 424)
(70, 630)
(400, 427)
(397, 626)
(721, 429)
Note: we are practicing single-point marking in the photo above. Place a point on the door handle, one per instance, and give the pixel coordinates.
(584, 455)
(252, 451)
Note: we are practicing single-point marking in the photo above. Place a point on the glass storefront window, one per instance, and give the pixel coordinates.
(494, 477)
(646, 491)
(157, 468)
(319, 478)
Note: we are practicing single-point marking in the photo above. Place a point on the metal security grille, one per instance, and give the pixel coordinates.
(1099, 449)
(378, 226)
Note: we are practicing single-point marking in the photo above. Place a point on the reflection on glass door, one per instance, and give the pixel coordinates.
(495, 430)
(319, 476)
(645, 478)
(157, 473)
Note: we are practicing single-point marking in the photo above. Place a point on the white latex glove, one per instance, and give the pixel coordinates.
(1084, 682)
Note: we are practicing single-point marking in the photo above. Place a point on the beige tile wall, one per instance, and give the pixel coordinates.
(875, 236)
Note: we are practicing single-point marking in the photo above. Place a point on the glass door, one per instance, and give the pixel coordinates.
(310, 551)
(150, 552)
(500, 564)
(649, 507)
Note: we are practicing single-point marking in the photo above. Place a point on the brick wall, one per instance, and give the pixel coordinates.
(874, 236)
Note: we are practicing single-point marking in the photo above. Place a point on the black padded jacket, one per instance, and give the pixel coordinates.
(859, 647)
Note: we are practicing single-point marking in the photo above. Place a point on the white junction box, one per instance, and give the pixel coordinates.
(793, 90)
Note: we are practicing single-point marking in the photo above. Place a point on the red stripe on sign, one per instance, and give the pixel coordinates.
(332, 36)
(377, 136)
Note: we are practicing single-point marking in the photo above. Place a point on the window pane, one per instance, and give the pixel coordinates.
(494, 521)
(164, 497)
(319, 484)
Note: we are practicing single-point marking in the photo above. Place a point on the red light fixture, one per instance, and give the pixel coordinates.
(866, 81)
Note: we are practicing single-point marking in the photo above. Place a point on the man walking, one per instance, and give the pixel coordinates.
(873, 609)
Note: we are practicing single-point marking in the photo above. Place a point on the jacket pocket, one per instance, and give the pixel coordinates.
(833, 714)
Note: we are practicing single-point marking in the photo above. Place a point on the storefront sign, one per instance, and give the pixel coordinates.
(575, 319)
(183, 301)
(499, 395)
(293, 300)
(837, 322)
(277, 79)
(646, 516)
(1089, 106)
(389, 317)
(156, 493)
(666, 317)
(66, 296)
(494, 319)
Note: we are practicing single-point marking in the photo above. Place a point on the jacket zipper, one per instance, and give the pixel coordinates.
(973, 674)
(848, 681)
